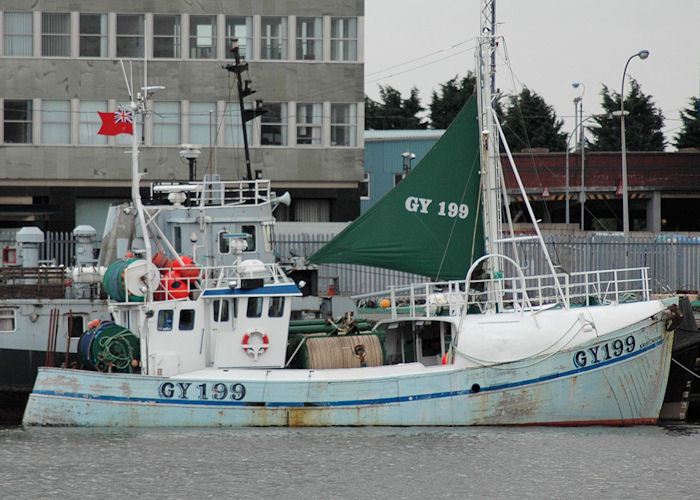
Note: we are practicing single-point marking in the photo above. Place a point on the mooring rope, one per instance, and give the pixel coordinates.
(685, 368)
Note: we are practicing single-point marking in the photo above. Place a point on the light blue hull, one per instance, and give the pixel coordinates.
(612, 381)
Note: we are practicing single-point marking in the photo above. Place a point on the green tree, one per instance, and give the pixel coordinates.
(529, 122)
(394, 112)
(643, 124)
(452, 97)
(689, 136)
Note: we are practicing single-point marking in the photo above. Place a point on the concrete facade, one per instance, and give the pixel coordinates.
(41, 181)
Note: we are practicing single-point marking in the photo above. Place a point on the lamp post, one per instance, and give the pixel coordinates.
(642, 54)
(579, 101)
(408, 157)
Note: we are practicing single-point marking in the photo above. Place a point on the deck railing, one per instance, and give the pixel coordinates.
(218, 193)
(192, 281)
(579, 289)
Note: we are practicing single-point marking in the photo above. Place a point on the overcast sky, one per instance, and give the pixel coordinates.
(550, 44)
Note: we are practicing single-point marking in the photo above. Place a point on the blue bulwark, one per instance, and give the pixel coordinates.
(289, 289)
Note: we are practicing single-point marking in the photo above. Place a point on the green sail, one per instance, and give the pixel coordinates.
(430, 223)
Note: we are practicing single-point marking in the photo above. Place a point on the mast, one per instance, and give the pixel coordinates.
(246, 115)
(491, 187)
(490, 180)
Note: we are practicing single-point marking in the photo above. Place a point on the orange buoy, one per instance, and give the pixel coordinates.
(161, 261)
(385, 303)
(187, 269)
(175, 287)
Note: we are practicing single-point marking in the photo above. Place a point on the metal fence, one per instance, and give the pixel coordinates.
(674, 263)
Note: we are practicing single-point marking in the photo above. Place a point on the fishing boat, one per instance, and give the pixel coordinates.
(491, 347)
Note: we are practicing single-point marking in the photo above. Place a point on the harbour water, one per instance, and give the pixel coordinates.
(593, 462)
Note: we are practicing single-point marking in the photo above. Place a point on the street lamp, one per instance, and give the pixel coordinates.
(579, 101)
(408, 157)
(642, 54)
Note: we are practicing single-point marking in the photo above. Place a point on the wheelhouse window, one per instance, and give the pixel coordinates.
(130, 35)
(224, 243)
(8, 320)
(276, 307)
(186, 319)
(240, 27)
(166, 36)
(344, 39)
(309, 121)
(274, 125)
(249, 231)
(18, 121)
(221, 311)
(55, 34)
(202, 123)
(274, 38)
(309, 38)
(90, 122)
(202, 37)
(343, 124)
(93, 35)
(55, 122)
(166, 122)
(165, 320)
(255, 305)
(18, 33)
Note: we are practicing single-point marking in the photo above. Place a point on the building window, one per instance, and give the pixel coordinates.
(309, 119)
(203, 37)
(55, 34)
(129, 35)
(344, 39)
(90, 122)
(166, 122)
(18, 121)
(241, 28)
(274, 125)
(55, 122)
(166, 36)
(233, 130)
(276, 307)
(7, 320)
(364, 187)
(309, 38)
(18, 33)
(274, 38)
(202, 123)
(93, 35)
(343, 124)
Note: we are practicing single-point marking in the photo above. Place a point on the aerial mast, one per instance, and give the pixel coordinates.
(243, 92)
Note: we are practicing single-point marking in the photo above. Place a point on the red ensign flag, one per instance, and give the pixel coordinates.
(119, 122)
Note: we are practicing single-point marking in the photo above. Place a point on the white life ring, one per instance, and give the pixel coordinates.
(255, 349)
